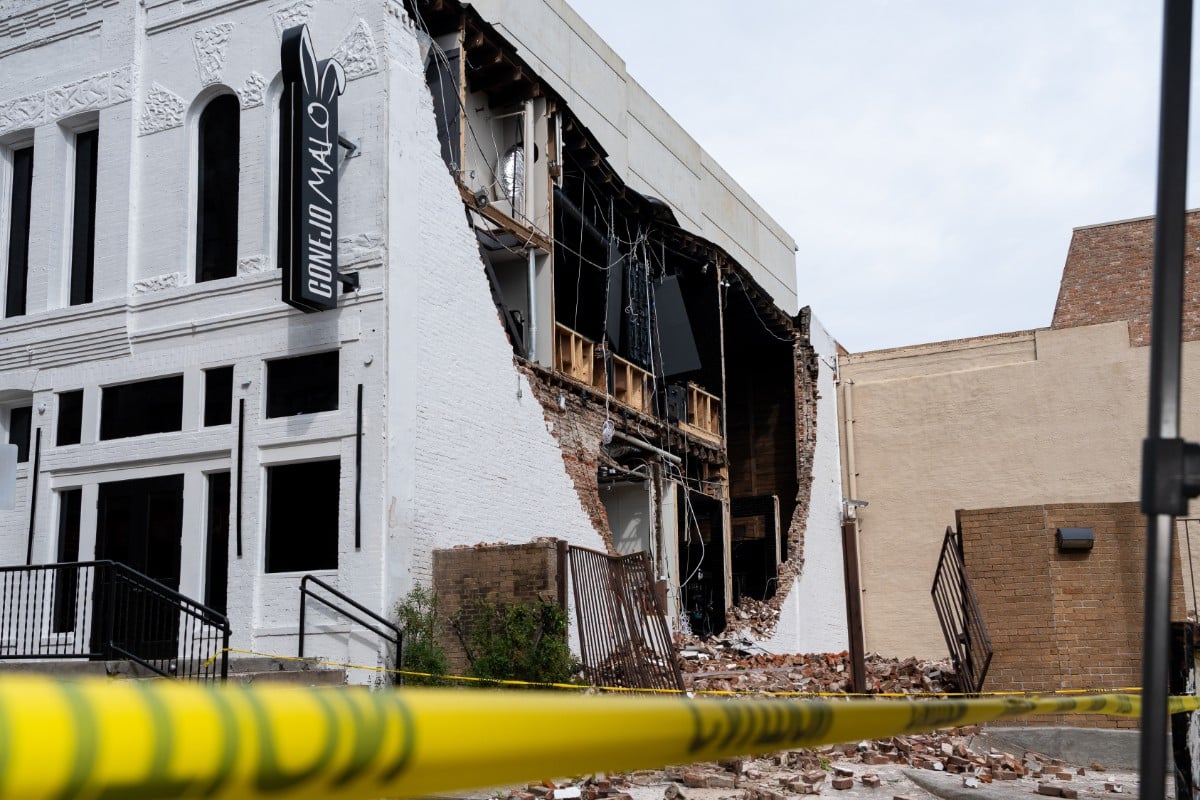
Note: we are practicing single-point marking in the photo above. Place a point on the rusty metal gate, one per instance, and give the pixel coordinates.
(623, 635)
(958, 611)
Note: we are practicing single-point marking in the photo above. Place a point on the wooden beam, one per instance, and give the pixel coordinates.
(493, 214)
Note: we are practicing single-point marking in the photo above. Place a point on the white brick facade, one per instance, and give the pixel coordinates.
(456, 448)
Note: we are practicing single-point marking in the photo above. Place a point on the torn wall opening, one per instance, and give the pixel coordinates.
(666, 373)
(761, 403)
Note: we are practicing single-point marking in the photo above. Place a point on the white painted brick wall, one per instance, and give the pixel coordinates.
(486, 468)
(812, 618)
(456, 448)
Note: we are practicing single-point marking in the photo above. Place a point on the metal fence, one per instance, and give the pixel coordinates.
(958, 612)
(623, 635)
(105, 610)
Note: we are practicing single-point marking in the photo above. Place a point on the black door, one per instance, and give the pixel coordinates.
(139, 523)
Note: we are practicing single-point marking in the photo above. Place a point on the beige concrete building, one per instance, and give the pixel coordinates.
(1047, 416)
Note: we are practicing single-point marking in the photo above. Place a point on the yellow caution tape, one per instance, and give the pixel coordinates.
(636, 690)
(97, 738)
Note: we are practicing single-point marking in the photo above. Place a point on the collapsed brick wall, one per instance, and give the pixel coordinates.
(1107, 278)
(498, 573)
(1061, 620)
(806, 373)
(577, 422)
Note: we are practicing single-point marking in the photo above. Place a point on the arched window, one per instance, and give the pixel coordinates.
(217, 199)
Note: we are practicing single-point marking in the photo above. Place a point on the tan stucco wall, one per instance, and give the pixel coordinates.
(1046, 416)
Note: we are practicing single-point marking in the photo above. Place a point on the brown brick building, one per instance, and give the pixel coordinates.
(1041, 429)
(1061, 619)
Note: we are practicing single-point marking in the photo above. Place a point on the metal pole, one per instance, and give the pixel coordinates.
(303, 598)
(1165, 348)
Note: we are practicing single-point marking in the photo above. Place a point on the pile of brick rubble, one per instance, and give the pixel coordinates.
(864, 765)
(735, 665)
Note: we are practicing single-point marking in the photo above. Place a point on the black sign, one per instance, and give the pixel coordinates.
(308, 141)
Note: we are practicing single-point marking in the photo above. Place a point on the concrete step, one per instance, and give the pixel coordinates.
(264, 669)
(291, 677)
(244, 671)
(78, 668)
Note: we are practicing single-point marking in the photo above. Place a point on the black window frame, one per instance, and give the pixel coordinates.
(83, 226)
(20, 214)
(141, 408)
(217, 177)
(20, 430)
(68, 428)
(307, 390)
(218, 387)
(67, 552)
(311, 539)
(218, 486)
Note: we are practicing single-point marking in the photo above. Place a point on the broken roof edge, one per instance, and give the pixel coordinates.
(654, 208)
(777, 263)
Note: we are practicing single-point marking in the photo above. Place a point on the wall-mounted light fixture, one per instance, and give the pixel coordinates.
(1071, 540)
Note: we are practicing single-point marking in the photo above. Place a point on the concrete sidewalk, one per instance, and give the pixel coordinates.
(1083, 746)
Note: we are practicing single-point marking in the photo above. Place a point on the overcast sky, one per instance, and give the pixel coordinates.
(929, 158)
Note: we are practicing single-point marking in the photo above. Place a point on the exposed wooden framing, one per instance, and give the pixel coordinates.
(575, 357)
(631, 385)
(586, 362)
(704, 413)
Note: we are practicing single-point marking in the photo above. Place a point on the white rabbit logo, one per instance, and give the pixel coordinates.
(322, 80)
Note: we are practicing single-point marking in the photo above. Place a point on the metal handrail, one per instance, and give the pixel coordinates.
(184, 604)
(396, 637)
(69, 610)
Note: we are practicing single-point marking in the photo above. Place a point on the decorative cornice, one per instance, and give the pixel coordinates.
(89, 94)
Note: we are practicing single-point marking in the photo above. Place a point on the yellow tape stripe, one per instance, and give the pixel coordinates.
(690, 692)
(164, 739)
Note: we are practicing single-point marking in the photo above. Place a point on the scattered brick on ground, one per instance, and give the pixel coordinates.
(737, 665)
